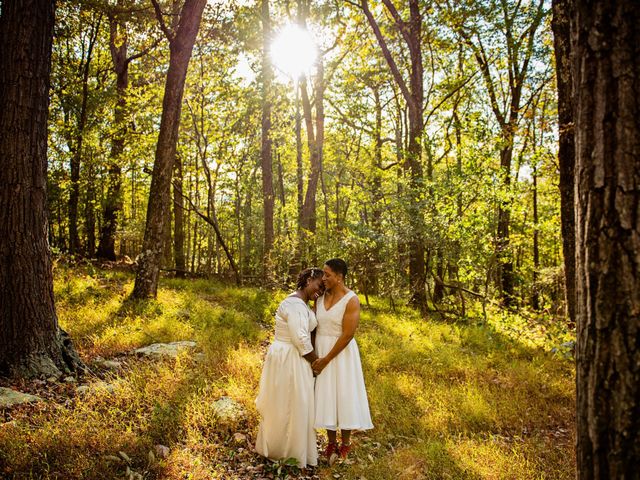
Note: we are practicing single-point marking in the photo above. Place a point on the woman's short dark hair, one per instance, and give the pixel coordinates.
(337, 265)
(308, 274)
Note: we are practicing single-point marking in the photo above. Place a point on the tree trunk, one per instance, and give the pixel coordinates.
(76, 157)
(315, 141)
(178, 218)
(90, 211)
(438, 286)
(535, 298)
(181, 46)
(376, 196)
(605, 59)
(503, 247)
(566, 147)
(118, 43)
(417, 267)
(520, 51)
(268, 197)
(299, 176)
(32, 343)
(247, 231)
(413, 94)
(296, 264)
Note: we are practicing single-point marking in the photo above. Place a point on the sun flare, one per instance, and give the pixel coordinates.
(293, 51)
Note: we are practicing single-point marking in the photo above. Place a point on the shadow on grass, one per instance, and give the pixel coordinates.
(166, 402)
(456, 388)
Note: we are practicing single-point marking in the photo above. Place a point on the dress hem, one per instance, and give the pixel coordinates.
(340, 427)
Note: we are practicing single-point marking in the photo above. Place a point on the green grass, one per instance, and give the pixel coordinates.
(449, 401)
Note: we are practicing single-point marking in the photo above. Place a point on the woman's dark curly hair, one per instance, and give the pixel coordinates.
(307, 274)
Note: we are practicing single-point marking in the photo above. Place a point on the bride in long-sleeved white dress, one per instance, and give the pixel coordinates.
(285, 399)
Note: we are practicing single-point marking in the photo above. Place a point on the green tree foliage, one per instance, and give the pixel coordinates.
(366, 198)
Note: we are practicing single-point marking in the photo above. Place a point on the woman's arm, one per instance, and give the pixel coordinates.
(298, 324)
(350, 323)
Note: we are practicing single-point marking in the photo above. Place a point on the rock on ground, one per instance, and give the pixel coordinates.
(9, 398)
(167, 350)
(227, 409)
(87, 389)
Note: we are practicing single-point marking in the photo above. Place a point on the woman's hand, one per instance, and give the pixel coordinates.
(318, 365)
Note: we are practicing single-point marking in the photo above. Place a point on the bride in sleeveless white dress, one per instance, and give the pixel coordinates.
(340, 394)
(285, 399)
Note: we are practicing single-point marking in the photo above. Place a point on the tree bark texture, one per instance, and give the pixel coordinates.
(31, 343)
(606, 80)
(566, 148)
(181, 46)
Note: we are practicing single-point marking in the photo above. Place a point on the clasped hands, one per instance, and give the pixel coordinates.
(318, 365)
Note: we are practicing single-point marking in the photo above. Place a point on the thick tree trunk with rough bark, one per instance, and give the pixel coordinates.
(268, 198)
(31, 343)
(566, 147)
(181, 45)
(606, 72)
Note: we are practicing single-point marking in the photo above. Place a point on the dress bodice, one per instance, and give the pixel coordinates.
(330, 321)
(294, 323)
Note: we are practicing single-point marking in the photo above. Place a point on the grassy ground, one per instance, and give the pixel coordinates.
(449, 401)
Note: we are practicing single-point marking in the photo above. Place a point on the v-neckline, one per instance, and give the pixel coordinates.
(324, 306)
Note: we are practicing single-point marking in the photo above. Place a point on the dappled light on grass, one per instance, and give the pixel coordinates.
(448, 400)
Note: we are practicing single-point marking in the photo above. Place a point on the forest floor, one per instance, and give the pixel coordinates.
(471, 399)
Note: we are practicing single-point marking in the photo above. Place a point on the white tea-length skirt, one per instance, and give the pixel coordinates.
(341, 397)
(286, 403)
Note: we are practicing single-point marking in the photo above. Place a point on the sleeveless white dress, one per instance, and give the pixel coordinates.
(341, 397)
(286, 398)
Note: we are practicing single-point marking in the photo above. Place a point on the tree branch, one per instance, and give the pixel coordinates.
(144, 51)
(387, 54)
(400, 23)
(216, 228)
(163, 26)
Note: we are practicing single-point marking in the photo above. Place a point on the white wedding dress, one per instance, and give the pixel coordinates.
(341, 397)
(286, 397)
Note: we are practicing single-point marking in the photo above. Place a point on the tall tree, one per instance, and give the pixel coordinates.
(605, 59)
(520, 50)
(77, 146)
(178, 220)
(181, 42)
(32, 342)
(315, 142)
(268, 198)
(314, 126)
(566, 147)
(413, 94)
(119, 48)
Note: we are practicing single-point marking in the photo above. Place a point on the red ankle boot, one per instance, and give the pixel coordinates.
(344, 450)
